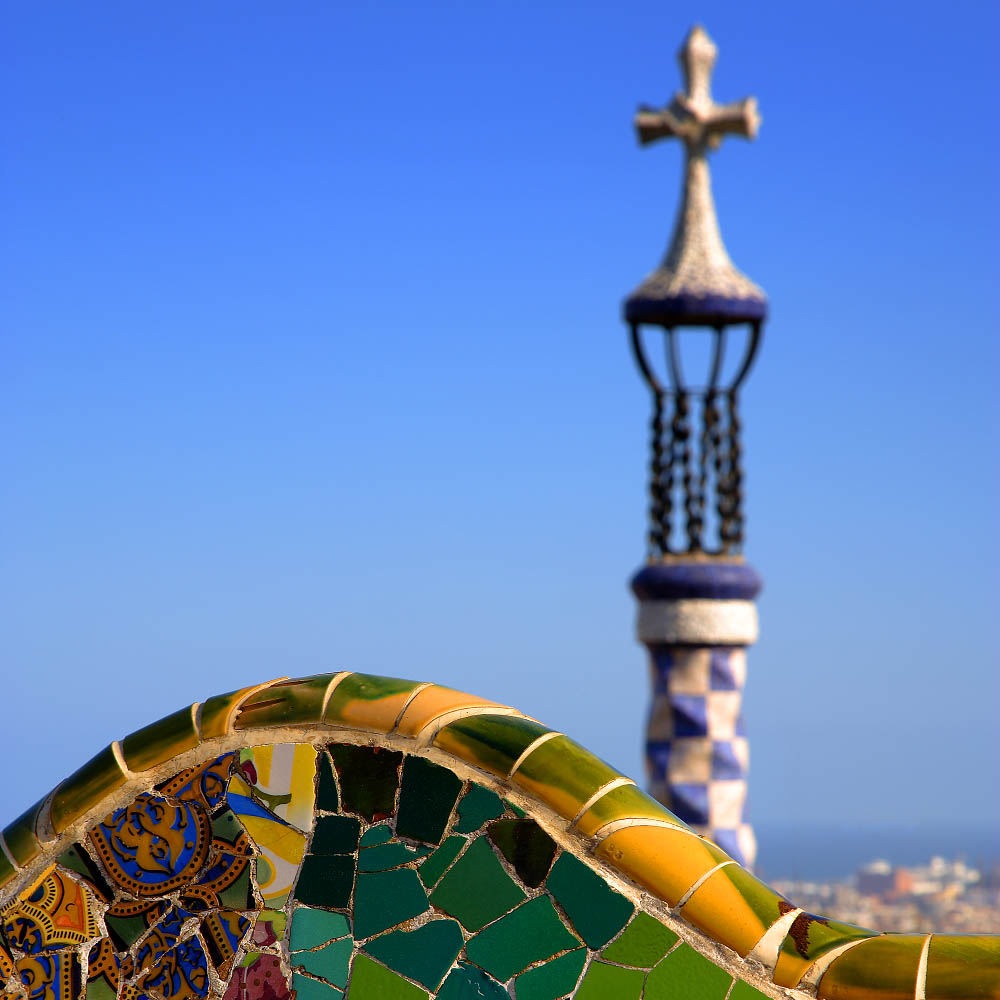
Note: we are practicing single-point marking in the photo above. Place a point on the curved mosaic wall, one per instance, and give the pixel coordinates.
(363, 837)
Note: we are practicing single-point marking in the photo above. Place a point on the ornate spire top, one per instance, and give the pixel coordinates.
(697, 283)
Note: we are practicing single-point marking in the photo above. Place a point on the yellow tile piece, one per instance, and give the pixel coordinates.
(563, 775)
(286, 780)
(666, 861)
(881, 968)
(963, 967)
(365, 701)
(218, 713)
(432, 703)
(734, 908)
(624, 802)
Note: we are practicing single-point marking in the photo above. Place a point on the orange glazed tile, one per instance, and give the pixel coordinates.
(963, 967)
(734, 908)
(881, 968)
(369, 702)
(624, 802)
(433, 702)
(664, 860)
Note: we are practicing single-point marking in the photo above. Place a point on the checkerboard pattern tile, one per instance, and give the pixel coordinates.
(696, 749)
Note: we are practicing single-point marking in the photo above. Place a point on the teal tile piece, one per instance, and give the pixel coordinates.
(310, 989)
(325, 881)
(380, 834)
(427, 795)
(596, 911)
(610, 982)
(437, 864)
(642, 944)
(526, 846)
(476, 807)
(311, 928)
(369, 778)
(370, 981)
(335, 835)
(330, 963)
(384, 899)
(744, 991)
(424, 955)
(327, 793)
(382, 857)
(552, 980)
(477, 889)
(469, 983)
(516, 810)
(526, 935)
(686, 975)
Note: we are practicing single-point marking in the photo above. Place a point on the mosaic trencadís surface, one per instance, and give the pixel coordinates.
(354, 836)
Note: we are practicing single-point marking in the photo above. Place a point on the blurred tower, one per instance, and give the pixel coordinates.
(696, 593)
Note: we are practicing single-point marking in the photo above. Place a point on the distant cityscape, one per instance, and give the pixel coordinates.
(941, 895)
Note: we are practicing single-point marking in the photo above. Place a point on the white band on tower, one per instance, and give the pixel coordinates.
(698, 620)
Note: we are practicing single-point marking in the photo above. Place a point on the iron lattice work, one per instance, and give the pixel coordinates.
(695, 469)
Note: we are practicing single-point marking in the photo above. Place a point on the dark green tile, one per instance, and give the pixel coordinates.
(382, 857)
(492, 742)
(435, 866)
(552, 980)
(160, 741)
(526, 846)
(610, 982)
(374, 982)
(477, 806)
(335, 835)
(76, 859)
(597, 912)
(326, 880)
(369, 777)
(331, 963)
(384, 899)
(380, 834)
(311, 928)
(644, 942)
(744, 991)
(327, 793)
(310, 989)
(477, 889)
(238, 895)
(424, 955)
(85, 788)
(469, 983)
(685, 975)
(526, 935)
(427, 795)
(293, 702)
(7, 870)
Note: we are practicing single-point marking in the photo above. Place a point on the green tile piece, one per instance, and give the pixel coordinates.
(213, 717)
(477, 889)
(294, 702)
(686, 975)
(100, 989)
(596, 911)
(380, 834)
(369, 777)
(744, 991)
(963, 965)
(427, 795)
(330, 964)
(7, 870)
(325, 880)
(384, 899)
(76, 859)
(552, 980)
(476, 807)
(335, 835)
(516, 810)
(20, 837)
(526, 846)
(435, 866)
(492, 742)
(424, 955)
(238, 895)
(644, 942)
(327, 793)
(526, 935)
(469, 983)
(311, 989)
(160, 741)
(382, 857)
(124, 931)
(226, 826)
(374, 982)
(311, 928)
(610, 982)
(84, 788)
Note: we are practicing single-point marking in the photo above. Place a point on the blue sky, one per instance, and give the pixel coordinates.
(312, 360)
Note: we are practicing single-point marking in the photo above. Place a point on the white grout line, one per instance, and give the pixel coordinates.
(6, 851)
(767, 948)
(920, 992)
(699, 883)
(426, 735)
(530, 749)
(331, 687)
(815, 971)
(409, 701)
(116, 749)
(600, 793)
(602, 833)
(196, 719)
(234, 709)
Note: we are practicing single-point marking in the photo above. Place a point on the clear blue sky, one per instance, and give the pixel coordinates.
(312, 360)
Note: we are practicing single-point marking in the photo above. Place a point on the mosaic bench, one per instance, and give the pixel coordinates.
(356, 836)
